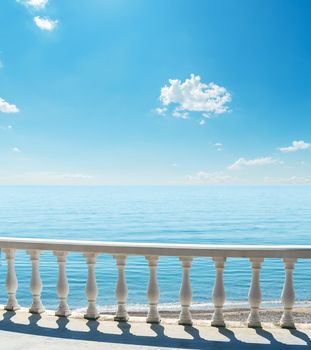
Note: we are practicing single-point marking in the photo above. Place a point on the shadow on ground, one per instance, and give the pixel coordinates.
(159, 340)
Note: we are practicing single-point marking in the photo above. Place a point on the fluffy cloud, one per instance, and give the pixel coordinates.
(295, 146)
(216, 177)
(36, 4)
(16, 150)
(45, 23)
(242, 162)
(192, 95)
(6, 107)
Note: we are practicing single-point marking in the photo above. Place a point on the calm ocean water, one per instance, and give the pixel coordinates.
(172, 214)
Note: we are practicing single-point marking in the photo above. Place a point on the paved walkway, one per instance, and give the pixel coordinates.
(23, 331)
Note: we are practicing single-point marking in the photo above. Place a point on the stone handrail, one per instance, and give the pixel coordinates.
(152, 251)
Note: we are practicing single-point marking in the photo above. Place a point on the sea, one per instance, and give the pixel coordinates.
(219, 214)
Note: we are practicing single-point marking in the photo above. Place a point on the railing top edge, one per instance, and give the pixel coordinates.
(161, 249)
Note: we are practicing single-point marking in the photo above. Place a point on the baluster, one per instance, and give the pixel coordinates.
(288, 295)
(11, 281)
(153, 292)
(62, 285)
(254, 295)
(121, 290)
(185, 292)
(91, 287)
(35, 283)
(218, 296)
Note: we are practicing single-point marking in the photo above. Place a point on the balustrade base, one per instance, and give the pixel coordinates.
(185, 323)
(91, 316)
(153, 320)
(287, 320)
(153, 315)
(36, 306)
(12, 308)
(218, 318)
(287, 325)
(253, 320)
(185, 316)
(218, 324)
(121, 318)
(12, 303)
(254, 325)
(63, 313)
(37, 310)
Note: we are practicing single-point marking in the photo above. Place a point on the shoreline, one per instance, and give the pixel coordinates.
(272, 315)
(238, 312)
(301, 315)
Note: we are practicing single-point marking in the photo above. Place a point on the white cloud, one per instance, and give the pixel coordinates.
(75, 176)
(161, 111)
(296, 146)
(290, 180)
(46, 177)
(36, 4)
(16, 150)
(207, 116)
(192, 95)
(181, 115)
(45, 23)
(202, 122)
(242, 162)
(6, 107)
(216, 177)
(218, 145)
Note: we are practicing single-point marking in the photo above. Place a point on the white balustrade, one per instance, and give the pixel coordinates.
(218, 296)
(11, 281)
(62, 284)
(121, 289)
(91, 290)
(152, 252)
(35, 283)
(153, 291)
(254, 295)
(288, 294)
(185, 294)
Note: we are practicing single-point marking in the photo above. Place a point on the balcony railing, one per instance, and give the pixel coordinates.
(152, 252)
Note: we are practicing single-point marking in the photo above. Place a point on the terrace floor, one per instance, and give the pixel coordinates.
(21, 330)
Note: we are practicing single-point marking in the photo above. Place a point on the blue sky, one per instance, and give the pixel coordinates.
(155, 92)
